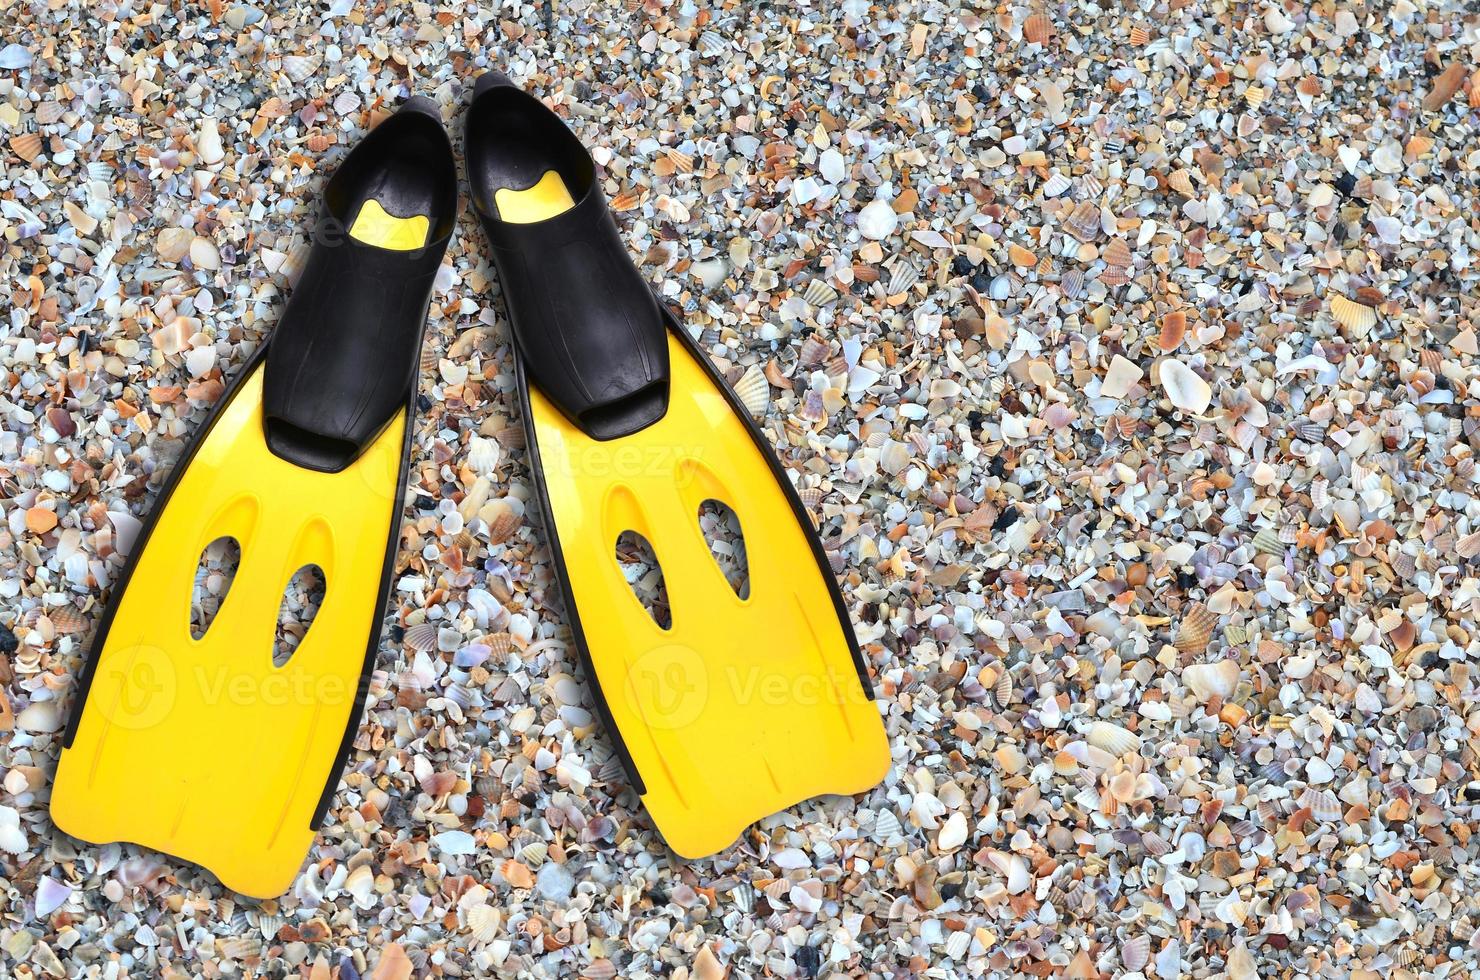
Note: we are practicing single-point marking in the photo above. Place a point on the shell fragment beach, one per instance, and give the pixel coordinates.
(1124, 356)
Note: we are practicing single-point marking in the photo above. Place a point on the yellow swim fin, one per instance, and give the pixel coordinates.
(205, 748)
(743, 702)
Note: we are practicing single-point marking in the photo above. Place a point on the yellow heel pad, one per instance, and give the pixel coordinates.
(374, 225)
(545, 199)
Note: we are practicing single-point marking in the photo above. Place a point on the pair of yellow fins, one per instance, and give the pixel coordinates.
(742, 704)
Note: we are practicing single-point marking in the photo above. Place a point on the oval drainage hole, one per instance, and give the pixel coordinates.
(644, 576)
(721, 527)
(214, 573)
(301, 602)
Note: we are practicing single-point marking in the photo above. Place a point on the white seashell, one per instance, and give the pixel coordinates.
(1299, 667)
(713, 43)
(958, 944)
(299, 67)
(14, 56)
(1358, 318)
(1136, 953)
(1388, 158)
(1119, 377)
(483, 455)
(1056, 184)
(422, 637)
(1241, 963)
(208, 142)
(1018, 876)
(173, 244)
(754, 391)
(1184, 387)
(200, 360)
(819, 293)
(887, 829)
(1323, 804)
(484, 922)
(51, 894)
(894, 458)
(40, 717)
(12, 837)
(953, 832)
(361, 886)
(904, 276)
(1276, 22)
(1113, 738)
(877, 220)
(535, 853)
(1209, 680)
(832, 166)
(204, 254)
(764, 280)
